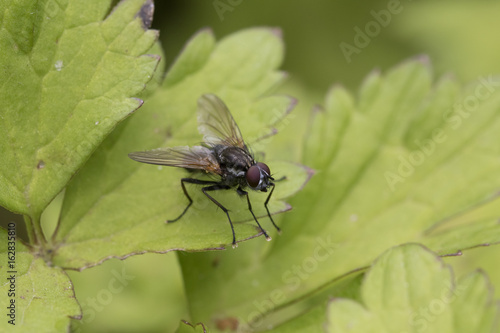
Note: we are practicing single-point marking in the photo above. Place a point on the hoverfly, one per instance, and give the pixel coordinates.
(223, 154)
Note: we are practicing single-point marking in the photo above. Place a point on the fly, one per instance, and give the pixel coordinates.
(223, 154)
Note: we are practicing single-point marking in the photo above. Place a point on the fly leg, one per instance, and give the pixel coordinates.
(190, 181)
(245, 193)
(281, 179)
(217, 187)
(267, 209)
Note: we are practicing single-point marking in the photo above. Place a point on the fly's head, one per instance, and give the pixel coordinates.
(258, 177)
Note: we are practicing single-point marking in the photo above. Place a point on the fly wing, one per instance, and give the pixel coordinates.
(216, 124)
(197, 157)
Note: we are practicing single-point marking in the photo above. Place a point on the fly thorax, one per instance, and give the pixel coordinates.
(235, 160)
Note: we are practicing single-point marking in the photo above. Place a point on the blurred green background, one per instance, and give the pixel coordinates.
(460, 37)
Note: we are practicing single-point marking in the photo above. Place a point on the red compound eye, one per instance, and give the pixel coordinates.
(253, 176)
(264, 167)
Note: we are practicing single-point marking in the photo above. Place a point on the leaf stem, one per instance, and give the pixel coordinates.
(29, 229)
(35, 232)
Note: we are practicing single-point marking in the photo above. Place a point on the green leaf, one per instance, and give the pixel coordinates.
(311, 321)
(37, 287)
(140, 294)
(192, 59)
(409, 289)
(352, 211)
(70, 73)
(116, 207)
(474, 294)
